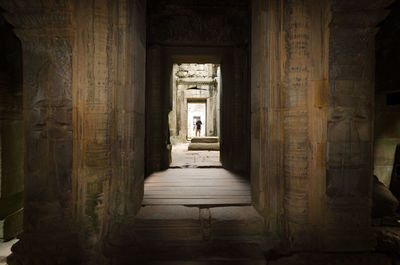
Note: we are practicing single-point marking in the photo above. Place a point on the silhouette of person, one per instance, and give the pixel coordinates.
(198, 126)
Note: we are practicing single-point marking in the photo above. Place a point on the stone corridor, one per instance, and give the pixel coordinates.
(303, 96)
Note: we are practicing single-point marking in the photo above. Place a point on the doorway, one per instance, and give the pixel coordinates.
(196, 119)
(195, 115)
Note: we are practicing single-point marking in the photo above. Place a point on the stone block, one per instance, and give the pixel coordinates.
(204, 140)
(204, 146)
(388, 240)
(384, 174)
(149, 213)
(384, 151)
(168, 223)
(11, 226)
(243, 224)
(384, 203)
(333, 259)
(10, 204)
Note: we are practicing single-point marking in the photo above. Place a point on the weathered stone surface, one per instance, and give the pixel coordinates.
(204, 140)
(289, 115)
(350, 125)
(383, 201)
(11, 225)
(204, 146)
(174, 23)
(172, 223)
(243, 224)
(388, 240)
(167, 213)
(183, 158)
(333, 259)
(168, 223)
(312, 72)
(82, 127)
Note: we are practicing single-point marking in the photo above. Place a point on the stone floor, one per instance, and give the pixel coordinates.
(182, 158)
(5, 250)
(197, 216)
(182, 235)
(201, 187)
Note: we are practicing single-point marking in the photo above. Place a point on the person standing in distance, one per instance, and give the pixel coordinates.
(198, 126)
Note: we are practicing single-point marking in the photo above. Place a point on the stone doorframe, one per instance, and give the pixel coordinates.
(159, 103)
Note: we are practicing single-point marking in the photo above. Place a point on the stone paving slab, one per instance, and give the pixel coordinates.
(183, 158)
(243, 224)
(175, 212)
(209, 187)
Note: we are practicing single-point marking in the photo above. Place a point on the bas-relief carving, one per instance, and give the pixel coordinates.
(47, 76)
(296, 126)
(349, 151)
(349, 117)
(48, 84)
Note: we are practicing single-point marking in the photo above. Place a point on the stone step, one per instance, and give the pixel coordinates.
(191, 224)
(178, 234)
(203, 146)
(148, 260)
(212, 252)
(205, 140)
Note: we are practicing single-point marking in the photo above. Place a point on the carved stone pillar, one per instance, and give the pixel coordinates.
(350, 124)
(304, 124)
(266, 128)
(46, 34)
(297, 77)
(289, 109)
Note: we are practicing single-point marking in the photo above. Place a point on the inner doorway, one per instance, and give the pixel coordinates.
(196, 119)
(195, 116)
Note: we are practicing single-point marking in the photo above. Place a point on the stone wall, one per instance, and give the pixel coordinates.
(350, 123)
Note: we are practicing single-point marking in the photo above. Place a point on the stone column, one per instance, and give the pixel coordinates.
(235, 108)
(124, 191)
(46, 33)
(157, 109)
(350, 123)
(289, 108)
(266, 121)
(297, 70)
